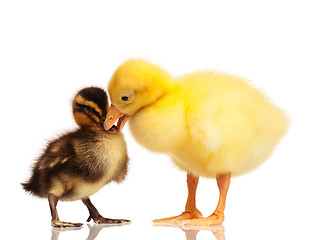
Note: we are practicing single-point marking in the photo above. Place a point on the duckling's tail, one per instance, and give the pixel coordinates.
(33, 184)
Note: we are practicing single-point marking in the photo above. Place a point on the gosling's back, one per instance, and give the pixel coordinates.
(241, 121)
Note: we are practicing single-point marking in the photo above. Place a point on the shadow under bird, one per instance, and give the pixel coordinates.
(79, 163)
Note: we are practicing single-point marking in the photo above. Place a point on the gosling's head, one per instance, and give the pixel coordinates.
(90, 106)
(135, 85)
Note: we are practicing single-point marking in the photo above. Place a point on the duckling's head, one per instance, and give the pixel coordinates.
(90, 106)
(134, 85)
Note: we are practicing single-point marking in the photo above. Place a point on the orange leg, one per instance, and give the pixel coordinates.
(217, 217)
(191, 212)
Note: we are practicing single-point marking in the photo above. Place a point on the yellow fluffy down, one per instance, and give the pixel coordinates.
(209, 123)
(236, 122)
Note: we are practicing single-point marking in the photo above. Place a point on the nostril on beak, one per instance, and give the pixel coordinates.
(110, 118)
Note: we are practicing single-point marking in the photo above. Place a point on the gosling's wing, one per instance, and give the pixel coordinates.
(206, 133)
(202, 124)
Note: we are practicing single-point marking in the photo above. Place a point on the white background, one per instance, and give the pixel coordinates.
(51, 49)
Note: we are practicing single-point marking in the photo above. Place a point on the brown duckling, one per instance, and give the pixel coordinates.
(79, 163)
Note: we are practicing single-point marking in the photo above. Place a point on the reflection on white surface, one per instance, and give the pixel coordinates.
(94, 230)
(55, 232)
(190, 233)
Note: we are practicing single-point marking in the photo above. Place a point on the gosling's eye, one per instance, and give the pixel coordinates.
(124, 98)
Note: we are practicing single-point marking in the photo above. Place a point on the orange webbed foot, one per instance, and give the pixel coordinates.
(187, 215)
(214, 219)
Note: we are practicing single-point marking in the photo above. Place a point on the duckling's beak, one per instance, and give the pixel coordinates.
(112, 115)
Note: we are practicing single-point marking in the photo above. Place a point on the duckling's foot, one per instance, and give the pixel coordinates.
(215, 218)
(99, 219)
(59, 224)
(187, 215)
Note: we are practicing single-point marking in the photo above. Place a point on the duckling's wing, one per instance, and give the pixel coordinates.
(73, 154)
(58, 152)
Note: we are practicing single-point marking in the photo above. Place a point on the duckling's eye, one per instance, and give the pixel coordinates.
(124, 98)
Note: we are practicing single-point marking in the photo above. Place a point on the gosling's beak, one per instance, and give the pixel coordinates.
(112, 116)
